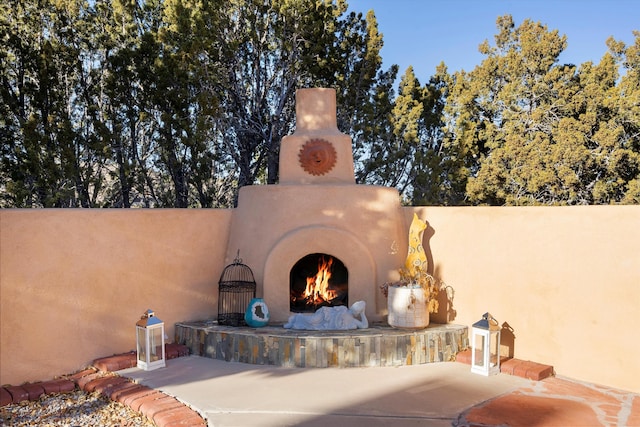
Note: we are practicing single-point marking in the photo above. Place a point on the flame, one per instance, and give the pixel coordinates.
(317, 289)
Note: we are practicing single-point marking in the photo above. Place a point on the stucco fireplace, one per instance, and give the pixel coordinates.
(318, 210)
(316, 215)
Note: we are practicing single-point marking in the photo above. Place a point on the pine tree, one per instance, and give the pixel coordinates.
(528, 130)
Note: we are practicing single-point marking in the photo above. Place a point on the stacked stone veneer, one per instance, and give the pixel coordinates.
(375, 346)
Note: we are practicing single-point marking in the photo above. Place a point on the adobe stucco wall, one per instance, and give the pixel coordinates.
(73, 283)
(566, 279)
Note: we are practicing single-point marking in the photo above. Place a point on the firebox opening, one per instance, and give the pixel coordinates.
(318, 280)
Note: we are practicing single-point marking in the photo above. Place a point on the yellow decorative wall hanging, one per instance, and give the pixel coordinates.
(416, 263)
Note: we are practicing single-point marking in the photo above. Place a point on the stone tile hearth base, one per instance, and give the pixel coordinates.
(379, 345)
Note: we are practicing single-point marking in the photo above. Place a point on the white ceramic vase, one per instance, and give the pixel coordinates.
(407, 307)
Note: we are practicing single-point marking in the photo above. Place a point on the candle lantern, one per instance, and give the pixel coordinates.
(485, 342)
(150, 342)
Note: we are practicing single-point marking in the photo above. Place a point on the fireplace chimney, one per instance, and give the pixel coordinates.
(317, 152)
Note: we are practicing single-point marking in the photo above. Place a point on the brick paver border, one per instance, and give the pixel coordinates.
(519, 368)
(162, 409)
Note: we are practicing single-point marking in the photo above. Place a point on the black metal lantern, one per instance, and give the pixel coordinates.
(236, 288)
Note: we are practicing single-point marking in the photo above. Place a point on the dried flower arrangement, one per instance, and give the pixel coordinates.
(417, 279)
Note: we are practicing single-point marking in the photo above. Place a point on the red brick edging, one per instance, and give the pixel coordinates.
(519, 368)
(163, 410)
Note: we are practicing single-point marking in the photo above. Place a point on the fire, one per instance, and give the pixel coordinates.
(317, 289)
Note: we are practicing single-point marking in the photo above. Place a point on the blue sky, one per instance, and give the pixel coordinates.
(423, 33)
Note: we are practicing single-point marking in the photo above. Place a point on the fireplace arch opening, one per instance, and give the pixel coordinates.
(318, 280)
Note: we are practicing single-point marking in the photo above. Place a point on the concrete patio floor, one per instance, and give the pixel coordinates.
(435, 394)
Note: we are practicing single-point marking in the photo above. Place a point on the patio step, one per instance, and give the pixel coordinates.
(378, 345)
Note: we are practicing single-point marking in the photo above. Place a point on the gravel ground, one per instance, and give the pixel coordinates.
(73, 409)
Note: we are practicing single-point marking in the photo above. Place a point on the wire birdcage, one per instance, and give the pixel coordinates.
(236, 288)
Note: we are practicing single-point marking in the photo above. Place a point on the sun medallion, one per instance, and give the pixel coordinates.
(317, 156)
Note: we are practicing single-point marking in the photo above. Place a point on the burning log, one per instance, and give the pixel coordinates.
(319, 290)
